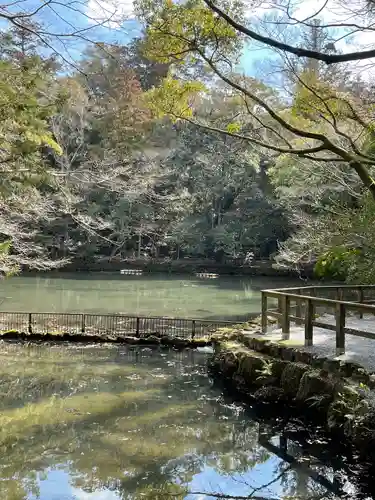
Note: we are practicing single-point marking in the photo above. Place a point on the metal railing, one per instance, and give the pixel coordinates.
(100, 324)
(303, 306)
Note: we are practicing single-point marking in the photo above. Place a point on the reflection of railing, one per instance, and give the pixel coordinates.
(308, 302)
(99, 324)
(281, 451)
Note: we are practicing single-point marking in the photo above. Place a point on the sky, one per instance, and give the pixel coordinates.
(114, 21)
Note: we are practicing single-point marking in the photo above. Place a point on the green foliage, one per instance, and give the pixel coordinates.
(24, 114)
(233, 128)
(316, 99)
(336, 263)
(175, 29)
(123, 175)
(265, 373)
(359, 228)
(5, 247)
(350, 407)
(173, 98)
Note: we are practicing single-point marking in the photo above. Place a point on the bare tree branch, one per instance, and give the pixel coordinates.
(298, 51)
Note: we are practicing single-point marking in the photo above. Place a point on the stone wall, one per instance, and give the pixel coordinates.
(149, 340)
(339, 395)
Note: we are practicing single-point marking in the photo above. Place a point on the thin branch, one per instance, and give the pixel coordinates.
(298, 152)
(298, 51)
(266, 127)
(263, 104)
(333, 123)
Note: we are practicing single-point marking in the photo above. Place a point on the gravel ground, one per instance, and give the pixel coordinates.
(360, 350)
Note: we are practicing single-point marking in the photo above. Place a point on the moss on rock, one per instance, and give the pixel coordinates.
(314, 384)
(329, 389)
(250, 366)
(269, 394)
(277, 368)
(228, 363)
(291, 378)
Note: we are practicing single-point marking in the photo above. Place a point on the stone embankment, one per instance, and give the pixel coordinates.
(338, 394)
(150, 340)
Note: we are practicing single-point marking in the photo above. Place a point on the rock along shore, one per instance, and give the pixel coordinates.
(154, 339)
(340, 395)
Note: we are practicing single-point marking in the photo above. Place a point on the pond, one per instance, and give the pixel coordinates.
(111, 423)
(226, 298)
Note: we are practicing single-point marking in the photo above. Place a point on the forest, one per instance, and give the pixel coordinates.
(162, 146)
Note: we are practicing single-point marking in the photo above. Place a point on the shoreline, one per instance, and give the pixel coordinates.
(263, 268)
(337, 395)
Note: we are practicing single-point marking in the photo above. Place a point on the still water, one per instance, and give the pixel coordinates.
(162, 295)
(111, 423)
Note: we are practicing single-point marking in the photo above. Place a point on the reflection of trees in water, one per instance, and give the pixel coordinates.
(136, 423)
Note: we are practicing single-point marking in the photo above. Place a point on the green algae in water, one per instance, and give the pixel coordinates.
(109, 423)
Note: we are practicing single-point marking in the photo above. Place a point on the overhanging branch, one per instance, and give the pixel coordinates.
(297, 51)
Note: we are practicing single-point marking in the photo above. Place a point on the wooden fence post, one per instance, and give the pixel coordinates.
(193, 329)
(340, 329)
(313, 294)
(30, 327)
(299, 309)
(361, 299)
(309, 327)
(285, 320)
(264, 312)
(279, 310)
(83, 323)
(137, 328)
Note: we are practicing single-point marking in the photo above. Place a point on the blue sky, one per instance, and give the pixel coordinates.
(57, 484)
(85, 16)
(120, 26)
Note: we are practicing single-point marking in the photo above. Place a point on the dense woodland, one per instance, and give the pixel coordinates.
(160, 147)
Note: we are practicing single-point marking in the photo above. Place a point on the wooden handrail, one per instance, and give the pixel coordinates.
(321, 300)
(326, 287)
(299, 295)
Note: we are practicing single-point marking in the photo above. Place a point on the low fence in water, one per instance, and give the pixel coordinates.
(106, 324)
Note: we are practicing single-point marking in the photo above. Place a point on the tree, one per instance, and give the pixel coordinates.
(25, 107)
(339, 131)
(117, 180)
(60, 26)
(362, 8)
(227, 213)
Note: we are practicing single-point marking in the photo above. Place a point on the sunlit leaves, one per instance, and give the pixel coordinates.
(5, 248)
(233, 128)
(176, 29)
(174, 98)
(24, 112)
(323, 103)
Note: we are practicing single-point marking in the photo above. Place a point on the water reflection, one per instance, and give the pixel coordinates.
(158, 295)
(111, 423)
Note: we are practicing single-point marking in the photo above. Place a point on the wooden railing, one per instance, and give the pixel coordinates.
(303, 306)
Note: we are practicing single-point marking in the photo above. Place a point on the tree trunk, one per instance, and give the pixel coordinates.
(365, 177)
(219, 215)
(139, 245)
